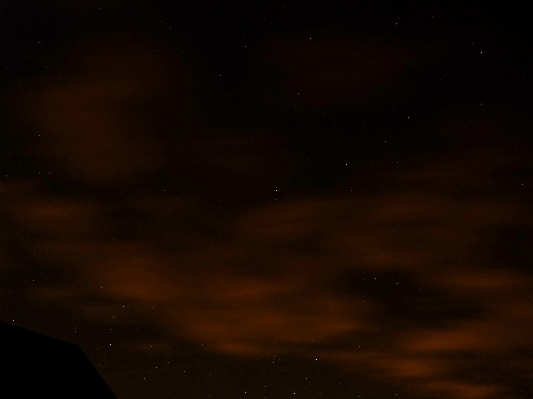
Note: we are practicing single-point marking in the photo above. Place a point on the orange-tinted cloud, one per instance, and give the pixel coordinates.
(391, 278)
(89, 114)
(88, 134)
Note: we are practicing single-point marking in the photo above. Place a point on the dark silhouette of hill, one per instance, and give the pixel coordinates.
(36, 366)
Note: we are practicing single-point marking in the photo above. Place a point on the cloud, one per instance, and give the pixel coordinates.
(88, 137)
(89, 113)
(390, 278)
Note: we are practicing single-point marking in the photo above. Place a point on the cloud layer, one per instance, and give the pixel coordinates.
(397, 285)
(388, 282)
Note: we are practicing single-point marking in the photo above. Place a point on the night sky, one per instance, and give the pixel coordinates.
(250, 200)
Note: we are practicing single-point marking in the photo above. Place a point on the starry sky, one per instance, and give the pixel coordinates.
(268, 199)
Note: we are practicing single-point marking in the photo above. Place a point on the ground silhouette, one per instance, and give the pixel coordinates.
(36, 366)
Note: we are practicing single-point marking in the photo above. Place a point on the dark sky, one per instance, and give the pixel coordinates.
(258, 200)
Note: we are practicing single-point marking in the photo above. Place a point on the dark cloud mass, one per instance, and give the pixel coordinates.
(272, 207)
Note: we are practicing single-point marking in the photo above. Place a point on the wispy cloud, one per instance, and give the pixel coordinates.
(392, 278)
